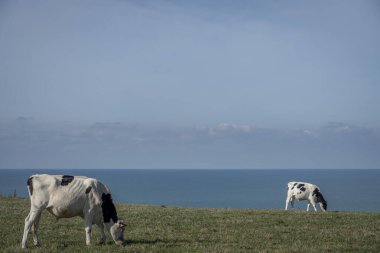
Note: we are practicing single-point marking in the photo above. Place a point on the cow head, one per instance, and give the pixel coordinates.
(117, 232)
(323, 205)
(320, 199)
(114, 224)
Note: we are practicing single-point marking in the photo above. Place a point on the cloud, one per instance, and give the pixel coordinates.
(225, 128)
(310, 133)
(121, 145)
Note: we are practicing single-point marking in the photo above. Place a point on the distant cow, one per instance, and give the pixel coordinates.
(68, 196)
(305, 191)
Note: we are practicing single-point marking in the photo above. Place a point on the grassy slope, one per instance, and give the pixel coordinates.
(171, 229)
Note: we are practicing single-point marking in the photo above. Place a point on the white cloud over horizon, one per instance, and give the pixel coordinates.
(27, 143)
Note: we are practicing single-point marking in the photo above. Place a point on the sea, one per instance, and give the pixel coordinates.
(344, 189)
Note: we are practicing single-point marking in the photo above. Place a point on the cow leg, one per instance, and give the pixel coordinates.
(88, 234)
(102, 234)
(287, 203)
(26, 231)
(290, 200)
(87, 228)
(29, 221)
(312, 202)
(88, 217)
(35, 229)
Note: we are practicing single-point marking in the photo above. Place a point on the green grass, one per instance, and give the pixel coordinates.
(177, 229)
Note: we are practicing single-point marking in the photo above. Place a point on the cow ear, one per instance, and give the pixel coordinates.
(121, 223)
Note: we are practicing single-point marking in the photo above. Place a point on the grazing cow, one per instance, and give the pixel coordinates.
(305, 191)
(69, 196)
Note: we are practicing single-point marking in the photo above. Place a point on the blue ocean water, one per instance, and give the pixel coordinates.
(344, 190)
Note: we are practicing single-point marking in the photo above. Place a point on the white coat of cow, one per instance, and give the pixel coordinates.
(305, 191)
(68, 196)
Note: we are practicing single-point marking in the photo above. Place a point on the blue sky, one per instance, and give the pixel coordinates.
(189, 84)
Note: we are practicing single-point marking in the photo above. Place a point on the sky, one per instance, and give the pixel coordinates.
(189, 84)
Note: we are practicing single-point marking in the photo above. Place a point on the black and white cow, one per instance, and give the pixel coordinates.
(68, 196)
(305, 191)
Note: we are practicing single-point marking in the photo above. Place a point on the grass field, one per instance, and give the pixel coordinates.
(176, 229)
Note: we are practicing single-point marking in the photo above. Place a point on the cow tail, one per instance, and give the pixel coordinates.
(29, 183)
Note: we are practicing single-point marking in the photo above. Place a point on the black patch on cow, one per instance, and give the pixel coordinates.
(66, 179)
(320, 198)
(108, 208)
(29, 183)
(303, 189)
(294, 185)
(300, 185)
(88, 189)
